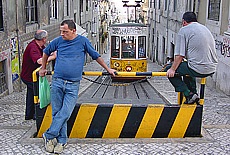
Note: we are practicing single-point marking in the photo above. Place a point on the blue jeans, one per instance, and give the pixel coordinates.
(64, 95)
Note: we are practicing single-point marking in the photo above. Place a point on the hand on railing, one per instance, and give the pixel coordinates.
(42, 72)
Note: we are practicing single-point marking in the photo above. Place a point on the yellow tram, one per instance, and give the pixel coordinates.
(128, 45)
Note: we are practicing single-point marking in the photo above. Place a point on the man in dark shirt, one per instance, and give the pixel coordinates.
(32, 59)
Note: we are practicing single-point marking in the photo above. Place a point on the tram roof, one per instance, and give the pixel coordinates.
(128, 25)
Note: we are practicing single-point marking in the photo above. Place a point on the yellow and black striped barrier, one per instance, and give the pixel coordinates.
(102, 120)
(128, 121)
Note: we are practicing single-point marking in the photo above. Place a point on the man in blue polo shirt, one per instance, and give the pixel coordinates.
(71, 49)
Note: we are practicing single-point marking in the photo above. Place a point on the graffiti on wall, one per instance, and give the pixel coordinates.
(14, 58)
(3, 55)
(224, 47)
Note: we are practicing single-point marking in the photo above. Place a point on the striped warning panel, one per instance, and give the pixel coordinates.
(128, 121)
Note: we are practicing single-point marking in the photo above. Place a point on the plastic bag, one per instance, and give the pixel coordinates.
(44, 92)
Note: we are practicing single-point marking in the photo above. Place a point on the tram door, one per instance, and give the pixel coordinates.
(115, 47)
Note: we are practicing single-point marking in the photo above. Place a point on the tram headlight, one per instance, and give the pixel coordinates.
(128, 68)
(116, 64)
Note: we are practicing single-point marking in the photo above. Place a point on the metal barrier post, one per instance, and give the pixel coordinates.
(35, 85)
(181, 98)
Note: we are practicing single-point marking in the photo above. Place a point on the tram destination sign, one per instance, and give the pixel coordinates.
(128, 30)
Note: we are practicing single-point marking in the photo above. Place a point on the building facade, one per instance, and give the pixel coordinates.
(21, 18)
(165, 20)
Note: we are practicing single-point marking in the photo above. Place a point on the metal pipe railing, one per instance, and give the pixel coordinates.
(121, 74)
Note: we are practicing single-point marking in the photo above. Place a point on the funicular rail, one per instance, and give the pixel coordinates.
(105, 111)
(133, 92)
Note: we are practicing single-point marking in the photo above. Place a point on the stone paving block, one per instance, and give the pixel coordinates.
(15, 132)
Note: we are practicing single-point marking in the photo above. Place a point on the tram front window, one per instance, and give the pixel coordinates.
(141, 51)
(142, 47)
(115, 47)
(128, 49)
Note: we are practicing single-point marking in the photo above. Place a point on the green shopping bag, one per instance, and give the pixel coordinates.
(44, 92)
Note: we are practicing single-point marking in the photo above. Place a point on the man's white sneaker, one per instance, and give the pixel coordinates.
(49, 144)
(59, 148)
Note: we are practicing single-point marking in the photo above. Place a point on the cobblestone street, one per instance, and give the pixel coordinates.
(16, 134)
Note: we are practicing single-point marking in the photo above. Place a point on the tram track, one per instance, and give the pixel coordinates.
(99, 86)
(104, 90)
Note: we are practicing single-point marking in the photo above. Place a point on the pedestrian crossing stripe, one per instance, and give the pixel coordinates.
(127, 121)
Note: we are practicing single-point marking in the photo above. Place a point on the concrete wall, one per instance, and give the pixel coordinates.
(221, 33)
